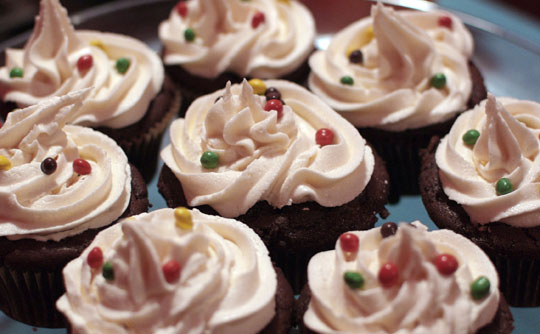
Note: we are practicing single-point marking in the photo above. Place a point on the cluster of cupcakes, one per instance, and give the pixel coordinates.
(271, 188)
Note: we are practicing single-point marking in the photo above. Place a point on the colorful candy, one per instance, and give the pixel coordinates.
(5, 164)
(349, 242)
(470, 137)
(272, 93)
(16, 72)
(347, 80)
(171, 270)
(95, 258)
(82, 167)
(209, 160)
(48, 166)
(353, 279)
(446, 264)
(388, 274)
(257, 19)
(181, 8)
(388, 229)
(259, 87)
(189, 34)
(276, 105)
(445, 21)
(356, 57)
(504, 186)
(84, 63)
(108, 271)
(122, 65)
(480, 288)
(324, 137)
(183, 218)
(438, 80)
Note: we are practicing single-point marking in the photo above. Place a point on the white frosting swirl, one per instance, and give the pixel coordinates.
(226, 41)
(263, 157)
(227, 283)
(50, 207)
(392, 88)
(49, 60)
(423, 301)
(508, 147)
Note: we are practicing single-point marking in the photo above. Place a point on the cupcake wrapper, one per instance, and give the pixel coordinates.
(28, 296)
(519, 279)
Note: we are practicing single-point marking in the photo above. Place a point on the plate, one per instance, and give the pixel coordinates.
(510, 65)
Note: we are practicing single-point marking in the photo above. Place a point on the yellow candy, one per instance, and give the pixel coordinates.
(5, 164)
(183, 218)
(258, 86)
(97, 43)
(369, 33)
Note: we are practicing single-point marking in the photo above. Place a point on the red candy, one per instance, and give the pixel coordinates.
(81, 167)
(84, 63)
(274, 105)
(257, 19)
(95, 258)
(445, 21)
(349, 242)
(324, 137)
(181, 9)
(171, 270)
(446, 264)
(388, 274)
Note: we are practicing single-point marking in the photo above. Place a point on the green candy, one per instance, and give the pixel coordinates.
(353, 279)
(189, 35)
(480, 288)
(122, 65)
(504, 186)
(16, 72)
(209, 160)
(347, 80)
(438, 80)
(470, 137)
(107, 271)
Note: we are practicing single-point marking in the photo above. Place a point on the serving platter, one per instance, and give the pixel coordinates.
(510, 65)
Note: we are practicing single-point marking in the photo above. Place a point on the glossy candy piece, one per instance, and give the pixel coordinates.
(445, 21)
(470, 137)
(183, 218)
(48, 166)
(189, 34)
(347, 80)
(257, 19)
(388, 274)
(171, 270)
(5, 164)
(16, 72)
(276, 105)
(82, 167)
(388, 229)
(259, 87)
(353, 279)
(480, 288)
(272, 93)
(84, 63)
(209, 160)
(181, 8)
(95, 258)
(324, 137)
(504, 186)
(446, 264)
(356, 57)
(108, 271)
(438, 80)
(349, 242)
(122, 65)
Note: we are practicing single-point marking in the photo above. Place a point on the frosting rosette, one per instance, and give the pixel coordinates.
(259, 38)
(425, 296)
(222, 279)
(57, 180)
(125, 74)
(490, 164)
(263, 153)
(396, 70)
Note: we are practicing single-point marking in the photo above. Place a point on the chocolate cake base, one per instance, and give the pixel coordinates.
(514, 251)
(502, 323)
(400, 149)
(31, 271)
(295, 232)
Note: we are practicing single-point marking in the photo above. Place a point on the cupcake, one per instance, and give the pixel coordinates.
(482, 181)
(289, 167)
(59, 185)
(403, 280)
(208, 43)
(132, 101)
(400, 77)
(176, 271)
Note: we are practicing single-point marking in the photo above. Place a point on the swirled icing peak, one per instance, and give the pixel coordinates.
(264, 156)
(50, 65)
(261, 38)
(507, 148)
(389, 61)
(58, 199)
(424, 298)
(224, 282)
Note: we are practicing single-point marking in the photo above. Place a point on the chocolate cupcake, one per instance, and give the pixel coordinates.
(59, 185)
(403, 280)
(481, 180)
(286, 165)
(400, 77)
(132, 101)
(208, 43)
(178, 271)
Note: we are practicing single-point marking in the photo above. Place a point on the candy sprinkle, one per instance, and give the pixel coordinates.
(276, 105)
(388, 274)
(347, 80)
(171, 270)
(5, 164)
(48, 166)
(446, 264)
(353, 279)
(181, 8)
(108, 271)
(324, 137)
(209, 160)
(183, 218)
(445, 21)
(189, 34)
(389, 229)
(272, 93)
(438, 80)
(82, 167)
(504, 186)
(356, 57)
(480, 288)
(257, 19)
(259, 87)
(16, 72)
(122, 65)
(95, 258)
(84, 63)
(349, 242)
(470, 137)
